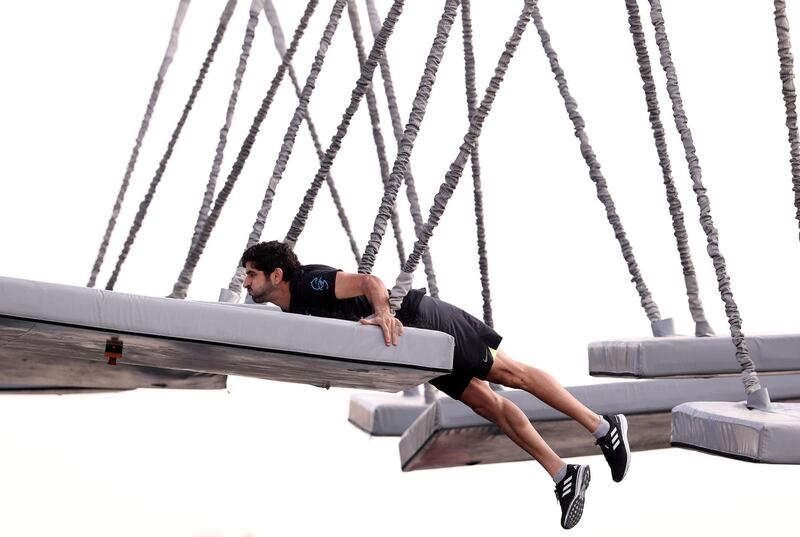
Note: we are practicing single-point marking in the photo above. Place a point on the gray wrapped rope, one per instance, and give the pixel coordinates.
(172, 47)
(646, 300)
(789, 96)
(403, 283)
(235, 285)
(162, 166)
(280, 45)
(749, 376)
(415, 118)
(397, 127)
(377, 135)
(364, 81)
(289, 138)
(702, 326)
(247, 144)
(181, 286)
(472, 103)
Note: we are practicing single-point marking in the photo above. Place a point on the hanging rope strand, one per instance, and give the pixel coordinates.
(472, 103)
(749, 376)
(412, 129)
(702, 327)
(789, 96)
(403, 283)
(377, 135)
(181, 286)
(172, 47)
(280, 45)
(289, 138)
(249, 141)
(364, 81)
(145, 204)
(397, 127)
(646, 300)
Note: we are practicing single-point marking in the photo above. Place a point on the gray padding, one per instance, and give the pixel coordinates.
(690, 356)
(731, 430)
(223, 338)
(451, 434)
(382, 414)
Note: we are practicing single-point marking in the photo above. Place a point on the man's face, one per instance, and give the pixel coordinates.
(258, 284)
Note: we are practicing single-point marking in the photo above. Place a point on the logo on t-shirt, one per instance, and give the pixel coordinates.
(319, 284)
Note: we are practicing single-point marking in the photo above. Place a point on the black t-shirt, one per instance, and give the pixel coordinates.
(313, 289)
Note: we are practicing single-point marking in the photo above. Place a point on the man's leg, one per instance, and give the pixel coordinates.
(611, 431)
(512, 421)
(571, 480)
(541, 384)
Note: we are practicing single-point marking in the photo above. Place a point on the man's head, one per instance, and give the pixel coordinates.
(268, 265)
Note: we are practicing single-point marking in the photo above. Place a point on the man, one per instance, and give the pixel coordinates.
(274, 274)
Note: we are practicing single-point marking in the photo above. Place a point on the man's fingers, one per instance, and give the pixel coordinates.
(392, 328)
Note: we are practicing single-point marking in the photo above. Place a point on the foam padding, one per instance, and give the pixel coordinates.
(66, 322)
(450, 434)
(733, 430)
(382, 414)
(691, 356)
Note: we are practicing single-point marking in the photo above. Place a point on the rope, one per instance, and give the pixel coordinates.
(596, 175)
(362, 84)
(172, 47)
(702, 327)
(412, 129)
(397, 127)
(181, 286)
(789, 96)
(472, 103)
(403, 284)
(377, 135)
(280, 45)
(247, 145)
(289, 138)
(429, 392)
(749, 376)
(145, 204)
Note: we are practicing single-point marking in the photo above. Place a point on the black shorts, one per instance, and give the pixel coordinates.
(473, 338)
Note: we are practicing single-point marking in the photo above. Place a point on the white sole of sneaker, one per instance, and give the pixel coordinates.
(623, 423)
(575, 509)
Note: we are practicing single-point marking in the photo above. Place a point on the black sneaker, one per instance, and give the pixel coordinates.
(570, 491)
(615, 446)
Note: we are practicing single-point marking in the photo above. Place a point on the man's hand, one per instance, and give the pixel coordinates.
(391, 326)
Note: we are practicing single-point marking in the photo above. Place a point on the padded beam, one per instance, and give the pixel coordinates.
(383, 414)
(449, 434)
(691, 356)
(732, 430)
(231, 339)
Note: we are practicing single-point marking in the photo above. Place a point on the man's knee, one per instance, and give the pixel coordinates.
(482, 400)
(508, 372)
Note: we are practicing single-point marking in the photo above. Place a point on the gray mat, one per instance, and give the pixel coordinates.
(691, 356)
(382, 414)
(450, 434)
(731, 430)
(60, 321)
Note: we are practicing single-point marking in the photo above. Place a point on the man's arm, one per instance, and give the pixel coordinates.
(351, 285)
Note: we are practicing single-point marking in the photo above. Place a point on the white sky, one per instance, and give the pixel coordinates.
(265, 458)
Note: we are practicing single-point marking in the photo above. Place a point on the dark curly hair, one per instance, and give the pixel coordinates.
(267, 256)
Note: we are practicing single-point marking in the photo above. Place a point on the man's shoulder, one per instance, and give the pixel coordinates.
(315, 268)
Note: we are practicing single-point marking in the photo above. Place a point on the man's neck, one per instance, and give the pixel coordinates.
(282, 297)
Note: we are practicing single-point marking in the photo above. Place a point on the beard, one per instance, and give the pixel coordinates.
(258, 299)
